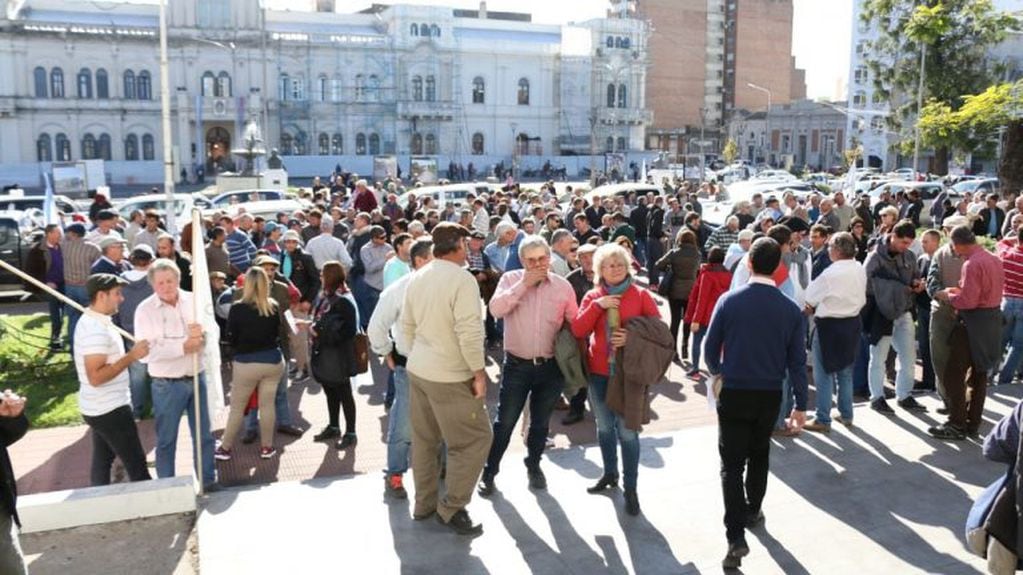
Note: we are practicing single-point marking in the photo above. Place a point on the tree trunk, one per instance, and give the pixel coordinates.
(941, 156)
(1010, 170)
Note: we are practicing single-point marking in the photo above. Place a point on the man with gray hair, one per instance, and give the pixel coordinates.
(325, 247)
(497, 251)
(725, 235)
(525, 299)
(561, 251)
(835, 298)
(828, 216)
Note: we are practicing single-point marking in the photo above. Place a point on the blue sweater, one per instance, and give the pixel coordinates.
(756, 334)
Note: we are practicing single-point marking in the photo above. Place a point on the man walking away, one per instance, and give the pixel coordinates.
(756, 334)
(13, 425)
(443, 321)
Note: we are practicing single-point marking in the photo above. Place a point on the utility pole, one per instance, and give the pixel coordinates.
(919, 108)
(168, 157)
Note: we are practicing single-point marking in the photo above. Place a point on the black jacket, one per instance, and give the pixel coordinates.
(655, 223)
(303, 274)
(638, 217)
(980, 227)
(11, 430)
(333, 350)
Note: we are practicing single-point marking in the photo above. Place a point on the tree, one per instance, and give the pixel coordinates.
(977, 123)
(956, 35)
(730, 151)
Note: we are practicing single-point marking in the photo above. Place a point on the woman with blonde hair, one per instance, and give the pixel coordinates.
(603, 313)
(254, 331)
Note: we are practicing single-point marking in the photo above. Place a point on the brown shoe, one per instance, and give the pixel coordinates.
(814, 425)
(785, 432)
(844, 421)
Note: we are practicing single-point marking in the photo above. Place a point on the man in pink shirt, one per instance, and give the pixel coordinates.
(975, 343)
(534, 304)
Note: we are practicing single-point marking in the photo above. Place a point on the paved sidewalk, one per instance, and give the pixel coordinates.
(882, 497)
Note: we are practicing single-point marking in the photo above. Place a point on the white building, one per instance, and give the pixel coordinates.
(82, 81)
(868, 109)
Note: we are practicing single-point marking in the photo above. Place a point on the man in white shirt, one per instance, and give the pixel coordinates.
(105, 222)
(835, 298)
(561, 252)
(104, 393)
(388, 341)
(325, 247)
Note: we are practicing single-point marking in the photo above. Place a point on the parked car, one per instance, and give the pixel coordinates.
(243, 196)
(982, 186)
(18, 232)
(447, 194)
(64, 204)
(183, 204)
(266, 208)
(928, 192)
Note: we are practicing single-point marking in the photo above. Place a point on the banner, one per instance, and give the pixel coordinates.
(50, 215)
(205, 317)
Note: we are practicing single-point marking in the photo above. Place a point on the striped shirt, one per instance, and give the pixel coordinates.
(79, 255)
(240, 249)
(1012, 266)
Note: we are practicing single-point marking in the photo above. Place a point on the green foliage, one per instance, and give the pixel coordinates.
(730, 151)
(46, 379)
(971, 126)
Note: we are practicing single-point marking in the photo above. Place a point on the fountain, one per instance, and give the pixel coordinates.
(251, 177)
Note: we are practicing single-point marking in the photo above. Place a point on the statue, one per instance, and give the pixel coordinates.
(274, 161)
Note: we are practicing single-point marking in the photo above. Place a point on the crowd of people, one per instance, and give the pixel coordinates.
(554, 279)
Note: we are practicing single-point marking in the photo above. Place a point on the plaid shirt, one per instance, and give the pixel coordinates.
(79, 255)
(475, 261)
(722, 237)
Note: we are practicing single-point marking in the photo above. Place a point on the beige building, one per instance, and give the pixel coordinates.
(703, 53)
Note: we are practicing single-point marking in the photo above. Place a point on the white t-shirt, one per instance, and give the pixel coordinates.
(93, 336)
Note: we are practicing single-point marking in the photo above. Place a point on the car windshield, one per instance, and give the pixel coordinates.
(967, 186)
(244, 196)
(158, 205)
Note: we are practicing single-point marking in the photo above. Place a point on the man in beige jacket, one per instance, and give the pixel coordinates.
(442, 318)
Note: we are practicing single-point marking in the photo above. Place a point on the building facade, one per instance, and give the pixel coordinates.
(325, 87)
(703, 55)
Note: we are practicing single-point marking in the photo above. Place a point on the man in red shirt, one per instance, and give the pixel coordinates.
(365, 199)
(975, 345)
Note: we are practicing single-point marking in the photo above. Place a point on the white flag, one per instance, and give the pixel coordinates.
(49, 205)
(205, 317)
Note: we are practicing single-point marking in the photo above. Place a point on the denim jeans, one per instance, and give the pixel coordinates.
(640, 252)
(903, 339)
(787, 401)
(282, 410)
(541, 385)
(79, 295)
(56, 314)
(1012, 309)
(366, 298)
(141, 390)
(611, 431)
(654, 251)
(825, 382)
(697, 346)
(171, 399)
(399, 428)
(923, 343)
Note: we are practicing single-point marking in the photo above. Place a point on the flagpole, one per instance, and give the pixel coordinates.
(195, 365)
(165, 120)
(63, 298)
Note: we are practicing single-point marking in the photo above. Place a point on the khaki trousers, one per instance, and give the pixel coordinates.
(943, 320)
(245, 378)
(446, 412)
(298, 344)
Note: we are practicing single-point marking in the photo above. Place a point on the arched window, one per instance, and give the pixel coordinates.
(209, 85)
(224, 85)
(324, 144)
(435, 31)
(43, 151)
(609, 145)
(431, 89)
(298, 88)
(416, 145)
(431, 145)
(85, 84)
(626, 43)
(417, 88)
(103, 147)
(360, 87)
(622, 146)
(623, 100)
(618, 41)
(424, 29)
(287, 144)
(360, 144)
(523, 92)
(129, 85)
(610, 42)
(131, 148)
(321, 85)
(102, 84)
(477, 144)
(39, 75)
(337, 145)
(414, 29)
(522, 144)
(145, 85)
(373, 89)
(301, 144)
(335, 89)
(479, 90)
(89, 147)
(610, 95)
(374, 144)
(148, 149)
(285, 84)
(63, 148)
(56, 83)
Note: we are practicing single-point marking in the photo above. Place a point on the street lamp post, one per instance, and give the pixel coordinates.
(165, 117)
(515, 145)
(761, 89)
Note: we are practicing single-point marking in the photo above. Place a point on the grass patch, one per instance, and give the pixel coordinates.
(29, 368)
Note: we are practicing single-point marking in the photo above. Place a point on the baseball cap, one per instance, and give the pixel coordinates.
(291, 235)
(102, 282)
(110, 241)
(446, 235)
(478, 235)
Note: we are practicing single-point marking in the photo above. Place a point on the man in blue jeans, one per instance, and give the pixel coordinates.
(534, 303)
(388, 340)
(166, 320)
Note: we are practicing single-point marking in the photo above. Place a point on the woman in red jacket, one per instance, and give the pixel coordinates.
(712, 281)
(605, 309)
